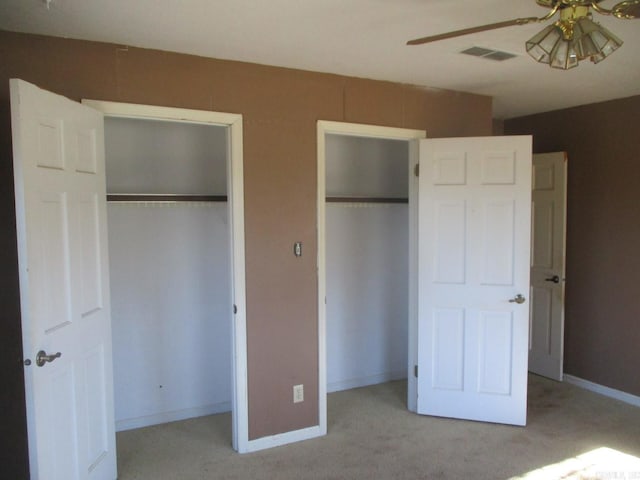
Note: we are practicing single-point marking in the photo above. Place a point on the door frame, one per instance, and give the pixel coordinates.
(235, 194)
(411, 136)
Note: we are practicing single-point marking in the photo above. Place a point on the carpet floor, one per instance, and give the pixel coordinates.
(571, 433)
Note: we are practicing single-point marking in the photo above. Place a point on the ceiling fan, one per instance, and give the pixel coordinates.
(574, 36)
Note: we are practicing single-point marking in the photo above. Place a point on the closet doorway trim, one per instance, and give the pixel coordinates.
(369, 131)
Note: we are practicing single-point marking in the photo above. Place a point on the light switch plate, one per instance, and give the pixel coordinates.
(298, 393)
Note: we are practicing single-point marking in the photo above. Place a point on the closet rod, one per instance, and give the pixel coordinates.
(366, 200)
(151, 197)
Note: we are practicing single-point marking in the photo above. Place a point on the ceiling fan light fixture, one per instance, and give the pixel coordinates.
(563, 46)
(573, 37)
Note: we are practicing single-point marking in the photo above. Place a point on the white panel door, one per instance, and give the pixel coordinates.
(58, 152)
(473, 260)
(548, 223)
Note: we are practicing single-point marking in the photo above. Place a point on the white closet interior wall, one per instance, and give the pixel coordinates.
(366, 261)
(169, 272)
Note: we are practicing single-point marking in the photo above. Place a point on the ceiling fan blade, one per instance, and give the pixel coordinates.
(468, 31)
(629, 9)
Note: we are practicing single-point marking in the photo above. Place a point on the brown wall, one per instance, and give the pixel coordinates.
(13, 439)
(280, 108)
(602, 330)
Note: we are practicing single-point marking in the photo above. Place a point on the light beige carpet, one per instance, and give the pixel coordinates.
(571, 434)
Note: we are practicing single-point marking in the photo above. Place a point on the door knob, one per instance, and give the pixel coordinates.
(518, 299)
(554, 279)
(42, 357)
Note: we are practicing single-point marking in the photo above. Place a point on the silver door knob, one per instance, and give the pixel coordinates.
(519, 299)
(42, 357)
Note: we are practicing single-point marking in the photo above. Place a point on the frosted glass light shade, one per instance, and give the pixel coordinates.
(542, 44)
(564, 55)
(549, 46)
(593, 41)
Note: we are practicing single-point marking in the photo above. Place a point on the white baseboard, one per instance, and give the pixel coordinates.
(366, 381)
(601, 389)
(173, 416)
(281, 439)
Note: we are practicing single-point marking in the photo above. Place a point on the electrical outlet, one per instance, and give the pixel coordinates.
(298, 393)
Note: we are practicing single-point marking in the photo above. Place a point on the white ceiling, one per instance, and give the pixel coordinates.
(363, 38)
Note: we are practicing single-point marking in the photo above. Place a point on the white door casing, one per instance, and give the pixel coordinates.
(64, 284)
(370, 131)
(473, 258)
(548, 247)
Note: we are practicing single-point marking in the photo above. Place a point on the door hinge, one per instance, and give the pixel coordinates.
(416, 170)
(415, 371)
(235, 309)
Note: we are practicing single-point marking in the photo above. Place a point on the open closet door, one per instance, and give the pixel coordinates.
(473, 259)
(549, 212)
(58, 154)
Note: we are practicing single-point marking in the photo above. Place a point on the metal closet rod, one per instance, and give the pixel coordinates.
(163, 197)
(366, 200)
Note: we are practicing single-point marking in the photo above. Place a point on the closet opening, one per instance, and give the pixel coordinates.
(367, 197)
(169, 260)
(367, 230)
(175, 206)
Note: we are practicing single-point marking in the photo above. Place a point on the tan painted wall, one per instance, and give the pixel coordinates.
(603, 235)
(280, 109)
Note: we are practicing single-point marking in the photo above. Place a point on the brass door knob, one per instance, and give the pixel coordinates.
(42, 357)
(519, 299)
